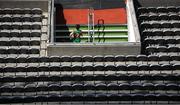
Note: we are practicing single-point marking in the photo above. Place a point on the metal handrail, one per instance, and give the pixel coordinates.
(91, 25)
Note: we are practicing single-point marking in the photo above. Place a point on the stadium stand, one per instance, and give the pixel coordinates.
(28, 76)
(160, 29)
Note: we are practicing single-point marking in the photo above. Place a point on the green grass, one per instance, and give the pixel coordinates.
(109, 34)
(107, 40)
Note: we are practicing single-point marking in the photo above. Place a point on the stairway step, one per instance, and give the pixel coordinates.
(85, 31)
(120, 36)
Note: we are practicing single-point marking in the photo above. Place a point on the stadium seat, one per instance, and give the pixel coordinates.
(16, 25)
(36, 18)
(13, 33)
(161, 9)
(36, 26)
(17, 11)
(142, 10)
(172, 9)
(175, 24)
(174, 17)
(16, 18)
(152, 9)
(26, 18)
(36, 11)
(163, 16)
(87, 58)
(6, 18)
(26, 11)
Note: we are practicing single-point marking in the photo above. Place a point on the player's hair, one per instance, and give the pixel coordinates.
(77, 26)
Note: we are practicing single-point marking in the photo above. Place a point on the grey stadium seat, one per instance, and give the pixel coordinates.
(24, 43)
(109, 58)
(174, 17)
(176, 24)
(142, 10)
(13, 51)
(36, 11)
(35, 33)
(15, 33)
(173, 49)
(25, 33)
(162, 10)
(16, 18)
(176, 32)
(155, 25)
(16, 25)
(151, 50)
(98, 58)
(162, 49)
(36, 25)
(163, 16)
(13, 43)
(172, 9)
(26, 11)
(6, 18)
(37, 18)
(143, 17)
(152, 9)
(168, 32)
(6, 26)
(87, 58)
(26, 25)
(145, 25)
(142, 58)
(4, 33)
(7, 11)
(34, 51)
(76, 58)
(34, 43)
(157, 33)
(153, 17)
(26, 18)
(166, 24)
(17, 11)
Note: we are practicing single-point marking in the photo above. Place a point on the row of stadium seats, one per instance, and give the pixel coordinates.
(160, 41)
(18, 25)
(20, 11)
(130, 67)
(168, 9)
(160, 24)
(163, 49)
(20, 43)
(159, 37)
(21, 18)
(20, 33)
(86, 87)
(160, 32)
(88, 58)
(155, 17)
(89, 97)
(19, 51)
(93, 77)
